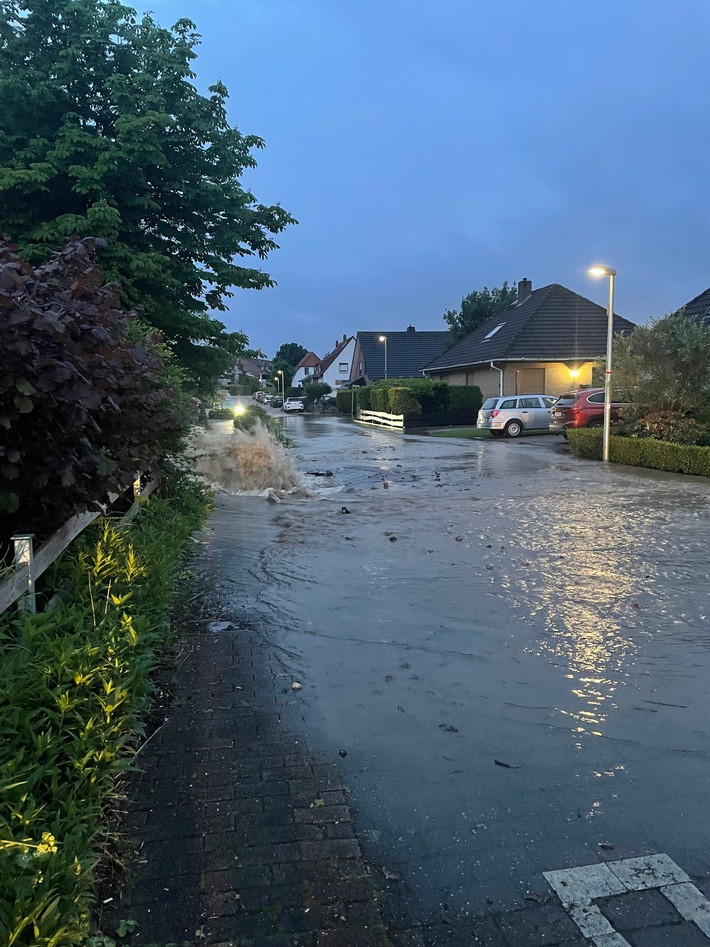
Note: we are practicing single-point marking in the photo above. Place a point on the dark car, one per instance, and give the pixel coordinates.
(276, 402)
(583, 408)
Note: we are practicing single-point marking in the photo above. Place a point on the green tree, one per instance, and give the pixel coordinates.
(477, 307)
(291, 353)
(103, 133)
(665, 366)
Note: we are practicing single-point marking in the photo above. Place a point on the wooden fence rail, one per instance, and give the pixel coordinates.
(395, 422)
(29, 566)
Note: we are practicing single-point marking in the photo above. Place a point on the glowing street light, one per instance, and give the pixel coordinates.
(383, 338)
(283, 384)
(600, 270)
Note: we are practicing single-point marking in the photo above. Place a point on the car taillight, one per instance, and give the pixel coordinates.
(495, 413)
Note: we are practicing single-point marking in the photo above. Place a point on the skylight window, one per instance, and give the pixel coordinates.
(493, 331)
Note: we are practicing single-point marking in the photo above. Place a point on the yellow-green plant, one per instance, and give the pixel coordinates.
(73, 684)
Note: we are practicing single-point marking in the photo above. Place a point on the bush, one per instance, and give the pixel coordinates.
(254, 415)
(465, 399)
(345, 401)
(433, 396)
(364, 398)
(670, 426)
(73, 683)
(83, 405)
(379, 399)
(403, 401)
(221, 414)
(642, 452)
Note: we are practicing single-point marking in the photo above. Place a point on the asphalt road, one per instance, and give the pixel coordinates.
(511, 647)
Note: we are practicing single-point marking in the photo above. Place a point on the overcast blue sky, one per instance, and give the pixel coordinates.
(431, 147)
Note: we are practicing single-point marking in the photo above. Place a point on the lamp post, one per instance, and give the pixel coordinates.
(599, 270)
(383, 338)
(283, 384)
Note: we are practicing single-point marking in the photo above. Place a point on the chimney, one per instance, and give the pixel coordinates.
(411, 329)
(345, 338)
(524, 289)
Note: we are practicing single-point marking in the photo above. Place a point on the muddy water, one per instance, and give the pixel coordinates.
(493, 602)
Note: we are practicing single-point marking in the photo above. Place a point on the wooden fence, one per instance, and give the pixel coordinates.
(30, 565)
(394, 422)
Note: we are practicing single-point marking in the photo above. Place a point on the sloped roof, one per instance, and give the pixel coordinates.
(407, 352)
(698, 309)
(326, 362)
(255, 366)
(309, 360)
(551, 324)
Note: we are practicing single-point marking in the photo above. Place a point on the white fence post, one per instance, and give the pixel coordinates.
(24, 556)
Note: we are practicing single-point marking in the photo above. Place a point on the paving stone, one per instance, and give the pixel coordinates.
(685, 934)
(638, 909)
(538, 926)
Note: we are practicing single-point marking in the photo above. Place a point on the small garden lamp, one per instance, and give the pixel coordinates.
(600, 270)
(283, 384)
(383, 338)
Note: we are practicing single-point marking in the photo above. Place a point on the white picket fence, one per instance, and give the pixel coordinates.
(19, 586)
(395, 422)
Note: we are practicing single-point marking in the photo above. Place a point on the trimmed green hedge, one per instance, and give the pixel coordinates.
(402, 401)
(432, 395)
(642, 452)
(364, 397)
(465, 399)
(344, 401)
(379, 399)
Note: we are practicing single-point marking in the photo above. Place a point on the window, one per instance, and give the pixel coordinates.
(343, 368)
(488, 404)
(508, 403)
(529, 403)
(493, 331)
(306, 370)
(596, 398)
(548, 401)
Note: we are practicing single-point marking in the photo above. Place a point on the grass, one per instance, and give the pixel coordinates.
(468, 433)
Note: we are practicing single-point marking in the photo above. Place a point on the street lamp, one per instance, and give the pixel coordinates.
(383, 338)
(283, 384)
(599, 270)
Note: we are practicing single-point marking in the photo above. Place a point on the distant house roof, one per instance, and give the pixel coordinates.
(698, 309)
(328, 360)
(309, 360)
(254, 366)
(407, 353)
(548, 324)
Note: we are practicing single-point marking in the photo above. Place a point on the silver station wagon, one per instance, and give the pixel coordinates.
(511, 415)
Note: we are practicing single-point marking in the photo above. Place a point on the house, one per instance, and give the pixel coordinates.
(402, 355)
(698, 309)
(305, 368)
(258, 369)
(545, 343)
(334, 368)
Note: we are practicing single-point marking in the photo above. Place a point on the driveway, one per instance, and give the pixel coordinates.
(507, 652)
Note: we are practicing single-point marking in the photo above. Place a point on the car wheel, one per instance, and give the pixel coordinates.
(596, 422)
(496, 434)
(513, 429)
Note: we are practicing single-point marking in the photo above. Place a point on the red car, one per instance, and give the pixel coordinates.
(583, 408)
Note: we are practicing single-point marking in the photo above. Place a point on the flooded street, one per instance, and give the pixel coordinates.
(511, 647)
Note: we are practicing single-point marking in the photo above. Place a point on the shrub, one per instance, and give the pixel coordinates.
(642, 452)
(465, 399)
(254, 415)
(73, 682)
(363, 396)
(671, 426)
(82, 404)
(379, 399)
(433, 396)
(221, 414)
(345, 401)
(403, 401)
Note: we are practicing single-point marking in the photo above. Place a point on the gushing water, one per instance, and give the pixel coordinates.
(244, 461)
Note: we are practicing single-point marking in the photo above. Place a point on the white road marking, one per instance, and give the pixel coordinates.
(578, 887)
(690, 904)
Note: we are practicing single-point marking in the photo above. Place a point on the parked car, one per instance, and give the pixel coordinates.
(276, 402)
(584, 408)
(510, 415)
(259, 396)
(293, 404)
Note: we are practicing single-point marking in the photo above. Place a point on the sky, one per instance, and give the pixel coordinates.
(429, 148)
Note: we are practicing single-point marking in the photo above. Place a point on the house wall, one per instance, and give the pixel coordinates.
(306, 372)
(333, 376)
(558, 378)
(357, 365)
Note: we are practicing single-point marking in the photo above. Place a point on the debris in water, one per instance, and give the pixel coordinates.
(385, 484)
(505, 765)
(296, 686)
(344, 509)
(393, 539)
(217, 626)
(390, 875)
(342, 753)
(459, 539)
(448, 728)
(607, 846)
(319, 473)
